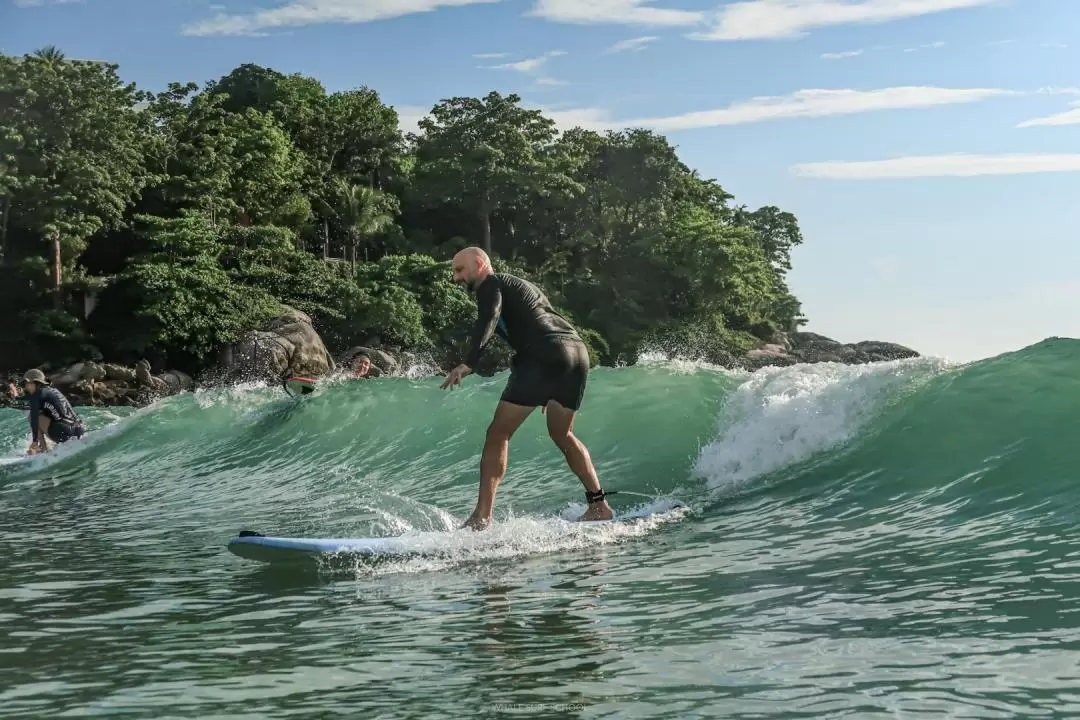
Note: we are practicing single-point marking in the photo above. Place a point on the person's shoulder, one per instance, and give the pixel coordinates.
(515, 281)
(53, 394)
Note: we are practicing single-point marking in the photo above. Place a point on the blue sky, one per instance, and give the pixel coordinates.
(928, 147)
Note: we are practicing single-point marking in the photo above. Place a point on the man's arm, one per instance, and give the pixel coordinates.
(43, 431)
(488, 309)
(35, 427)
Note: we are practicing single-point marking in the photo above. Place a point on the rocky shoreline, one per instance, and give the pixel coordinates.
(290, 345)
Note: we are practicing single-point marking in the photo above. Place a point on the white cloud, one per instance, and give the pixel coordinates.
(841, 55)
(926, 46)
(613, 12)
(490, 56)
(528, 65)
(800, 104)
(1069, 117)
(549, 81)
(773, 19)
(37, 3)
(820, 103)
(632, 44)
(958, 165)
(313, 12)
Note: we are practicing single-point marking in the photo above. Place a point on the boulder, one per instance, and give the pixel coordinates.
(104, 384)
(285, 345)
(806, 347)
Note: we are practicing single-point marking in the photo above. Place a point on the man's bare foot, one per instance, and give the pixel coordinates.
(598, 511)
(476, 523)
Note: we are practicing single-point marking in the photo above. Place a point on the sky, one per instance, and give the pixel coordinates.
(929, 148)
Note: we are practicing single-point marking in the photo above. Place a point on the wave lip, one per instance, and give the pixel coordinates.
(784, 416)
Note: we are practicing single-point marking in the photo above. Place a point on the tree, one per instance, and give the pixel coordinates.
(195, 208)
(72, 152)
(176, 297)
(361, 212)
(488, 154)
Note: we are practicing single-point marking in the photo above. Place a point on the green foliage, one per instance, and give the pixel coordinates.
(200, 211)
(177, 298)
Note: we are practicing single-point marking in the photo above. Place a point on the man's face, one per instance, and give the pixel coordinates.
(465, 271)
(29, 387)
(363, 365)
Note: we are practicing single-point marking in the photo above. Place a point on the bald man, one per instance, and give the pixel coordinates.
(548, 370)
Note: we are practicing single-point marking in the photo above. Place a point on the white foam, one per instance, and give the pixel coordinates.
(682, 364)
(513, 537)
(785, 415)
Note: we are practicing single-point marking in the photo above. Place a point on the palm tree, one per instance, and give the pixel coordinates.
(361, 212)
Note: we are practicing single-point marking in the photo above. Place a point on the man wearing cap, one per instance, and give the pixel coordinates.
(51, 414)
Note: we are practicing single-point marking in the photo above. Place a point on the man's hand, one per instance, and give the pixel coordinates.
(455, 375)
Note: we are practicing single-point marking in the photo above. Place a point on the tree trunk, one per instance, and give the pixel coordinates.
(326, 240)
(485, 220)
(3, 229)
(57, 278)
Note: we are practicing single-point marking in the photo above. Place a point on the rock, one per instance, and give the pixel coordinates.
(886, 350)
(93, 371)
(104, 384)
(806, 347)
(285, 345)
(142, 374)
(119, 373)
(768, 355)
(177, 379)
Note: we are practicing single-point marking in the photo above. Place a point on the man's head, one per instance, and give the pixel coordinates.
(471, 267)
(361, 365)
(33, 380)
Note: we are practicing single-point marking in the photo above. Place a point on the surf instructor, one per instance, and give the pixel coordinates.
(549, 370)
(51, 414)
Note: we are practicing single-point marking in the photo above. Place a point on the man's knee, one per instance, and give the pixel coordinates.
(563, 439)
(497, 432)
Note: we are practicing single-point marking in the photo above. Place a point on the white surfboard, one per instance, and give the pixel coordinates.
(261, 548)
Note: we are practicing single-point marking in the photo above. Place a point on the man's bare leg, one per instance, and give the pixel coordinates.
(560, 424)
(508, 418)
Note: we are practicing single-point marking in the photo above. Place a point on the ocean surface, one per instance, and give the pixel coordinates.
(877, 541)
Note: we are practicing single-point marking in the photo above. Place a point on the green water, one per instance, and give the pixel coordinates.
(893, 540)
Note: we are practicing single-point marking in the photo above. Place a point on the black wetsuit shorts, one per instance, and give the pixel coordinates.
(62, 431)
(556, 370)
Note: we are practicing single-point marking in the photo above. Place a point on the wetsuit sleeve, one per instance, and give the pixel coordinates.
(35, 411)
(488, 309)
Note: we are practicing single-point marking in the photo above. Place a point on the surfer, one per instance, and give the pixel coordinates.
(51, 415)
(549, 370)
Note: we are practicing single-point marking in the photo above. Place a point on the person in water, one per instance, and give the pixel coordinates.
(361, 366)
(51, 415)
(549, 370)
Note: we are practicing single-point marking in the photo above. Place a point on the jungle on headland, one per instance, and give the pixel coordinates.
(260, 224)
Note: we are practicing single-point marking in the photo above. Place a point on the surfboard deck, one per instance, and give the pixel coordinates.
(269, 549)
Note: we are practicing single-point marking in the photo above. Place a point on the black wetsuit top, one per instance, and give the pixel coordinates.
(518, 312)
(54, 405)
